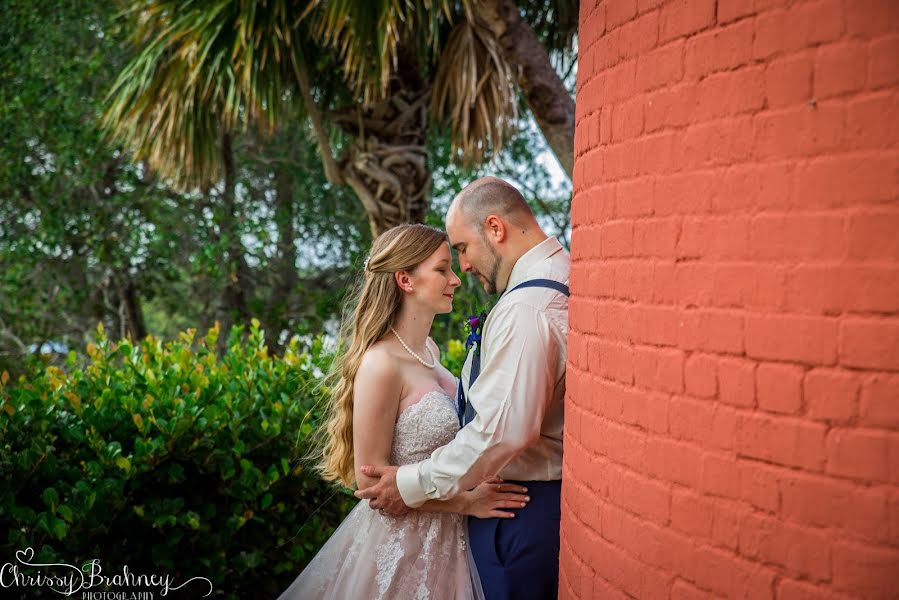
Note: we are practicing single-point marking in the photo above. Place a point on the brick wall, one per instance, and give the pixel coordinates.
(732, 419)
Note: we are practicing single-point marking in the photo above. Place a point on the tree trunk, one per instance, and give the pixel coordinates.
(544, 92)
(286, 277)
(387, 166)
(130, 315)
(235, 304)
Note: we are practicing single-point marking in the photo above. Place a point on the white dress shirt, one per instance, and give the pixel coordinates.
(519, 395)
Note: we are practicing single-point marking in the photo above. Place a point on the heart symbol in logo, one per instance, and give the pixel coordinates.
(25, 556)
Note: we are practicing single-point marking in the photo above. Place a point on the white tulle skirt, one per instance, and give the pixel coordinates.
(420, 556)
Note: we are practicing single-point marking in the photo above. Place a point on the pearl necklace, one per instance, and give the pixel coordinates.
(417, 357)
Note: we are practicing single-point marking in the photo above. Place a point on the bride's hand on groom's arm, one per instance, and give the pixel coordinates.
(489, 498)
(384, 495)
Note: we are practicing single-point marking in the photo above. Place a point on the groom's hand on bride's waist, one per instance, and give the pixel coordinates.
(384, 495)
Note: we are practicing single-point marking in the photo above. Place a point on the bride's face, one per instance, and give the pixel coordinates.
(434, 282)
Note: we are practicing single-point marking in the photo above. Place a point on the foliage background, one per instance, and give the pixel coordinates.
(168, 458)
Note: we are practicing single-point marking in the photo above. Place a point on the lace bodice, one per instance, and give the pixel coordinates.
(423, 427)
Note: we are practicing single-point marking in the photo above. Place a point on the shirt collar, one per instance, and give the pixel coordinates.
(529, 259)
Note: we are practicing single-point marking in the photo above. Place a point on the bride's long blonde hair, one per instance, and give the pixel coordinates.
(378, 299)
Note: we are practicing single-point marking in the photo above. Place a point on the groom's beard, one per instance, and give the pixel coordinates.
(490, 280)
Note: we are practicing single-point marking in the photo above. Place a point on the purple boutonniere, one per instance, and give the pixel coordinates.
(476, 324)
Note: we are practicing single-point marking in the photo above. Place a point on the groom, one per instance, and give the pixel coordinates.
(511, 396)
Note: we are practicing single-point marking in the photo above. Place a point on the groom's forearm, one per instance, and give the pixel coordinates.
(479, 459)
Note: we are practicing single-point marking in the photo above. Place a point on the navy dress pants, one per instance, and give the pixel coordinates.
(519, 558)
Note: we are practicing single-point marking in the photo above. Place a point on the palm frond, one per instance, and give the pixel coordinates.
(203, 69)
(474, 92)
(367, 34)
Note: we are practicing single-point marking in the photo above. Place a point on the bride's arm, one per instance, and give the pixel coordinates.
(376, 396)
(459, 504)
(484, 501)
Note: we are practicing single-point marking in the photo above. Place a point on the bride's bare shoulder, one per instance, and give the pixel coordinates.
(378, 384)
(378, 362)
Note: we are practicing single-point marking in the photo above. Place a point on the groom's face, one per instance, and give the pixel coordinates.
(476, 255)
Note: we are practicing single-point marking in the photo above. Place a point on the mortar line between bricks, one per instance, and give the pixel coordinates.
(738, 456)
(860, 482)
(583, 564)
(622, 550)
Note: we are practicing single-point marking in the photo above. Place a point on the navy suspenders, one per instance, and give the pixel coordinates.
(464, 408)
(546, 283)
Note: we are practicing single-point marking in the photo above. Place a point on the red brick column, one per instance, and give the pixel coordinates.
(732, 420)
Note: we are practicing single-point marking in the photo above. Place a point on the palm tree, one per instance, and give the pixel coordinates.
(492, 43)
(369, 75)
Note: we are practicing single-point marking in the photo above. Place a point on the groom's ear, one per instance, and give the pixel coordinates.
(495, 228)
(404, 281)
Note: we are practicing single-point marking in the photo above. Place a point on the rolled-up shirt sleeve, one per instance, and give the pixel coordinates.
(510, 398)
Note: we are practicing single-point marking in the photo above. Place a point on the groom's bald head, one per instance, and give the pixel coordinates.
(490, 226)
(491, 196)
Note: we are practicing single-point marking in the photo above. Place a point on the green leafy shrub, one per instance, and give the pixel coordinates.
(170, 459)
(454, 356)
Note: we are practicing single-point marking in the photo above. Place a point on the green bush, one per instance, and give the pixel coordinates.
(167, 458)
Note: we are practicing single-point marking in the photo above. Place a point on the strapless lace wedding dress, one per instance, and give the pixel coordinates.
(419, 556)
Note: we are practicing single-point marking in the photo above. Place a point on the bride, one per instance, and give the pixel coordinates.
(391, 404)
